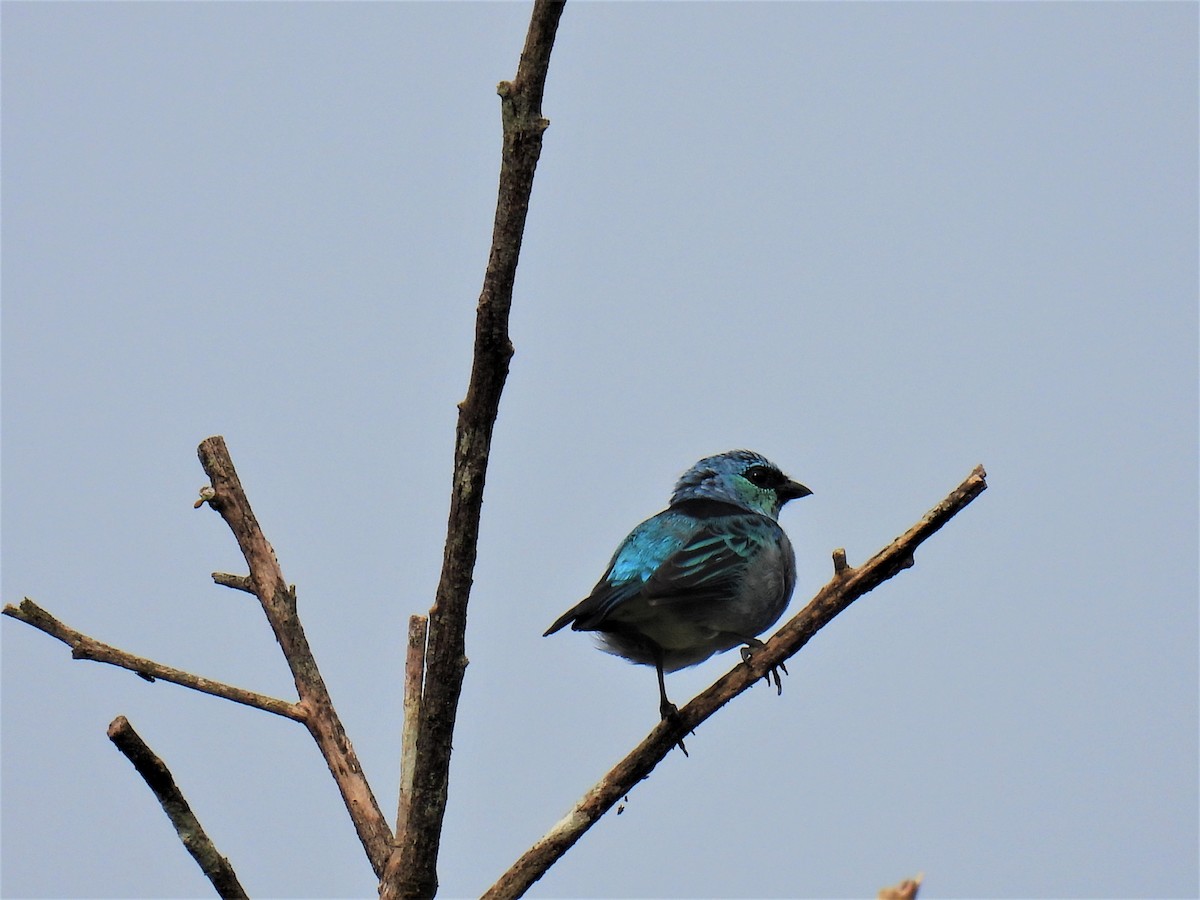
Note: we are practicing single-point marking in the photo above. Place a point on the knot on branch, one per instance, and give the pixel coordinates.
(904, 562)
(85, 648)
(520, 111)
(841, 568)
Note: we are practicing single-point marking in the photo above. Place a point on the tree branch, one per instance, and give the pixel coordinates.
(278, 601)
(413, 870)
(84, 647)
(237, 582)
(847, 585)
(158, 778)
(414, 669)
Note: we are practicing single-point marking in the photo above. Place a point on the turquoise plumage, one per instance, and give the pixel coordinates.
(710, 572)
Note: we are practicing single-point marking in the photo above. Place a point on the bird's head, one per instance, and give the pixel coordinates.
(740, 477)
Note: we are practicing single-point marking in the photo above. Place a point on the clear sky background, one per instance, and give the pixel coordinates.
(879, 243)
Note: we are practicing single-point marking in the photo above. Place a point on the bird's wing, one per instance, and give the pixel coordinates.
(712, 563)
(640, 555)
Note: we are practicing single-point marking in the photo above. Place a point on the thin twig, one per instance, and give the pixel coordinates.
(159, 779)
(278, 601)
(85, 647)
(414, 671)
(847, 585)
(237, 582)
(413, 870)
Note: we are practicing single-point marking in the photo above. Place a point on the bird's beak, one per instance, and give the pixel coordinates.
(791, 490)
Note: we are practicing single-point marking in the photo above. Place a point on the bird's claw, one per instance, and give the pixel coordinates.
(670, 713)
(753, 646)
(774, 673)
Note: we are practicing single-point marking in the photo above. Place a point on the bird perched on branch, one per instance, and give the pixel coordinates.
(711, 571)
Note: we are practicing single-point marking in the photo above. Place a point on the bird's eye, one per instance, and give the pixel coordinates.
(763, 477)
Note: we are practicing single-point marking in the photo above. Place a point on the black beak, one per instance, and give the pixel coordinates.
(791, 490)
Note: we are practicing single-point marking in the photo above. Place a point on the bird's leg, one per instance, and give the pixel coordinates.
(753, 644)
(668, 710)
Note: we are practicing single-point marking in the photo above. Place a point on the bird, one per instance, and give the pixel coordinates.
(711, 571)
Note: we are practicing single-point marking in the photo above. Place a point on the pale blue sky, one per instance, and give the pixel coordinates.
(879, 243)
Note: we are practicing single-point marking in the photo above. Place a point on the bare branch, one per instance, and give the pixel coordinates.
(414, 671)
(278, 601)
(158, 777)
(847, 585)
(84, 647)
(237, 582)
(414, 873)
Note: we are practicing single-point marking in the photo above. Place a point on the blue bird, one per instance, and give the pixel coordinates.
(711, 571)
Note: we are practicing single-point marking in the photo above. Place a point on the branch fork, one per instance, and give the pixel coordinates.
(406, 861)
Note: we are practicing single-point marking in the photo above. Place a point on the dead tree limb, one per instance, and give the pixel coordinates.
(847, 585)
(85, 647)
(278, 601)
(159, 779)
(414, 670)
(412, 871)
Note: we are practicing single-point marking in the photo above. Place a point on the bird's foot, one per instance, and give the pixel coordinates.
(670, 713)
(753, 645)
(774, 674)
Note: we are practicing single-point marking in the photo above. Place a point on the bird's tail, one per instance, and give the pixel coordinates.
(559, 623)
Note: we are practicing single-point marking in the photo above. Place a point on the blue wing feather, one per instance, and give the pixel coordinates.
(713, 562)
(640, 555)
(674, 559)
